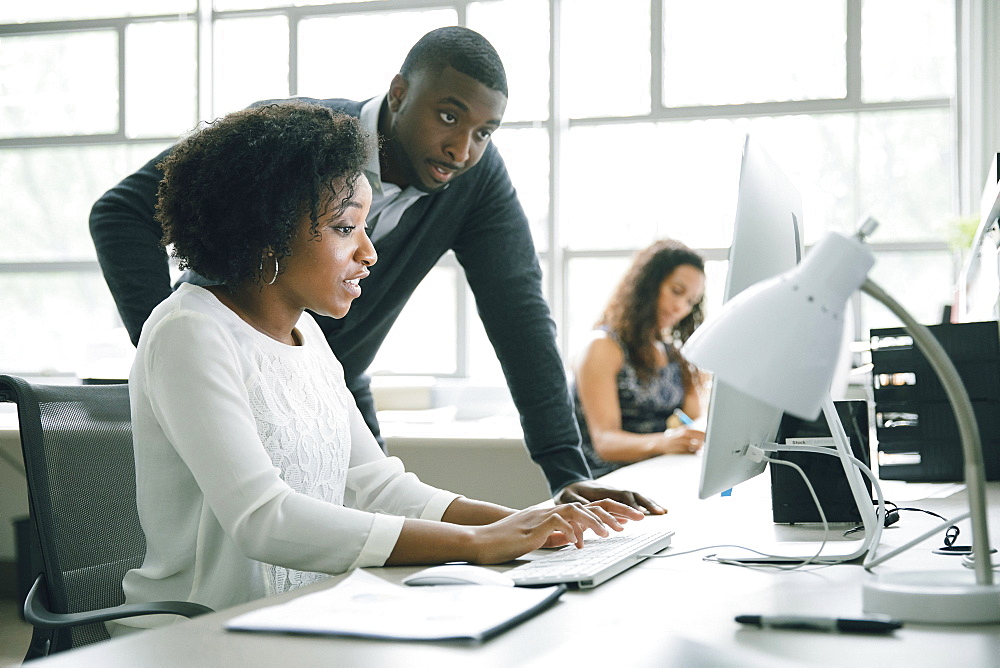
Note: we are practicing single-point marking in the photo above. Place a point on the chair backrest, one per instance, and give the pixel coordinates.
(77, 445)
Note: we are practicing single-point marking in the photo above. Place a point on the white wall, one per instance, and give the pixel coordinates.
(489, 469)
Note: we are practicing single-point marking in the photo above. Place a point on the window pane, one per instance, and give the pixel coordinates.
(733, 51)
(323, 75)
(921, 282)
(164, 104)
(57, 10)
(60, 322)
(818, 155)
(605, 58)
(56, 85)
(589, 284)
(907, 49)
(680, 180)
(423, 339)
(905, 173)
(251, 62)
(897, 166)
(526, 153)
(48, 193)
(519, 31)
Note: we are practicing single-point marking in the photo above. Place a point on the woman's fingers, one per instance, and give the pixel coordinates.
(696, 438)
(585, 517)
(684, 440)
(618, 510)
(607, 518)
(552, 526)
(557, 539)
(557, 523)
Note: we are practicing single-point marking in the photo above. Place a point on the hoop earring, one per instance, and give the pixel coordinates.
(261, 269)
(271, 282)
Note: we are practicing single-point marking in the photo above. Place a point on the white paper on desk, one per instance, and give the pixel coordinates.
(367, 606)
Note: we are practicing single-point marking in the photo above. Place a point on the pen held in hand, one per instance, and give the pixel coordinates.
(683, 417)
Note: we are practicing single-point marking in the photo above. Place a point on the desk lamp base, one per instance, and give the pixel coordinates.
(933, 597)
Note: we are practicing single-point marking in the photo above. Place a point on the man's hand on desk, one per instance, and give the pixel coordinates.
(586, 491)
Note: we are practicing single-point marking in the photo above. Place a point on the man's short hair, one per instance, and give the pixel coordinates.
(460, 48)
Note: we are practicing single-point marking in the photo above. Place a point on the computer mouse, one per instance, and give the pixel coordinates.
(453, 574)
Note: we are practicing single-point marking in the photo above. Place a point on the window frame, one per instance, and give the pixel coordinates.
(975, 127)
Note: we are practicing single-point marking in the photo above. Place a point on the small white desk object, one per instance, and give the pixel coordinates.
(677, 611)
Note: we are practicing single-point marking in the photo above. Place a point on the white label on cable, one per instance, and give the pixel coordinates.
(823, 441)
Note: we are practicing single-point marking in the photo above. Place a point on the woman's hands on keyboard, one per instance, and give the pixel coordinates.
(564, 524)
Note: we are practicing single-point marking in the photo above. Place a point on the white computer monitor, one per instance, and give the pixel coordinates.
(767, 240)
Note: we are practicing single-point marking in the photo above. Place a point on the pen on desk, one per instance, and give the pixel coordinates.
(683, 417)
(879, 624)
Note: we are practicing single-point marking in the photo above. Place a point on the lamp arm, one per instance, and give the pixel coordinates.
(975, 478)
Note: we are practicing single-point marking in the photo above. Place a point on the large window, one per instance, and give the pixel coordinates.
(624, 125)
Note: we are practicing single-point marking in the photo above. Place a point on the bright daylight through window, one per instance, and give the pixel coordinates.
(611, 144)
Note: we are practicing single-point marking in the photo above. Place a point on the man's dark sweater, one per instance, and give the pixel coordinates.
(478, 216)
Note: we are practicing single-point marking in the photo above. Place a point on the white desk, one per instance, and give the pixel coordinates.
(665, 612)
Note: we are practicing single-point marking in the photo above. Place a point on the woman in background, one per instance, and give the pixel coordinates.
(255, 470)
(631, 377)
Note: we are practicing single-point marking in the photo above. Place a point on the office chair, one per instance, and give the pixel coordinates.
(84, 525)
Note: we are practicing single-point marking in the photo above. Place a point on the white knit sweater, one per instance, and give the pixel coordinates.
(255, 470)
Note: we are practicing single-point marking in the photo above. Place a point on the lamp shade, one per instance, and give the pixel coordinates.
(779, 340)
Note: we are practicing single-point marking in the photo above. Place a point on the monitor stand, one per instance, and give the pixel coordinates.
(833, 550)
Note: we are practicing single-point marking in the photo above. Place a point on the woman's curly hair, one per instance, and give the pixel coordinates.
(237, 189)
(631, 312)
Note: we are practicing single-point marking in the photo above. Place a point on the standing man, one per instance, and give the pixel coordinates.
(439, 184)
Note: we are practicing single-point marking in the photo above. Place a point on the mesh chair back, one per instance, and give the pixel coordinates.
(77, 442)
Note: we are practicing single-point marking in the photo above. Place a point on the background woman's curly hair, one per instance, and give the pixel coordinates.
(237, 189)
(631, 312)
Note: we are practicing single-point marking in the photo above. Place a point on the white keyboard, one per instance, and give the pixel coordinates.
(599, 560)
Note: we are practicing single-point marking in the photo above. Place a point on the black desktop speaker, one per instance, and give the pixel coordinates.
(791, 502)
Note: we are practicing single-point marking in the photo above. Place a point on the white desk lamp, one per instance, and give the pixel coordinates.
(779, 341)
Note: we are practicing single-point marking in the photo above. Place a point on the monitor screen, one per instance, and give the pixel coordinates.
(766, 241)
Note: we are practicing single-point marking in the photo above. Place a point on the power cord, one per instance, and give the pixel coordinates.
(808, 561)
(950, 535)
(759, 454)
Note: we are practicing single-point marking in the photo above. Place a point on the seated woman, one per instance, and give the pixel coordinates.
(630, 378)
(255, 470)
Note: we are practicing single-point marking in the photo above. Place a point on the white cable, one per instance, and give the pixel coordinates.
(662, 555)
(871, 561)
(819, 506)
(969, 561)
(735, 562)
(815, 559)
(902, 548)
(880, 514)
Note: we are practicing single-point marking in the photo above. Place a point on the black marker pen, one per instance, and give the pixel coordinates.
(874, 624)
